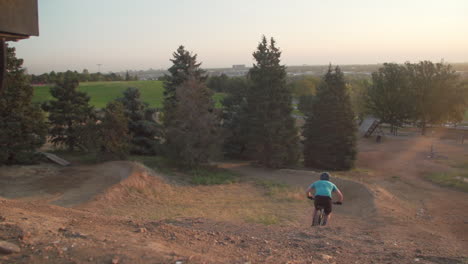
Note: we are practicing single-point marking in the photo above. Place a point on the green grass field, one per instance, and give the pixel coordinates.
(103, 92)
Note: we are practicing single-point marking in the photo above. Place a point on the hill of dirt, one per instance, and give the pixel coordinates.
(113, 213)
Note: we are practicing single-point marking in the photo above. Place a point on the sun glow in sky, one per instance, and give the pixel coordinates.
(142, 34)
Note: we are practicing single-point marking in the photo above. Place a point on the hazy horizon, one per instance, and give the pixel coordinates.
(143, 34)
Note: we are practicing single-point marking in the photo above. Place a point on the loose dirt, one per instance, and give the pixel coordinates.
(390, 214)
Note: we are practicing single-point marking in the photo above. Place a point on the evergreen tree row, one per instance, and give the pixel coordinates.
(256, 121)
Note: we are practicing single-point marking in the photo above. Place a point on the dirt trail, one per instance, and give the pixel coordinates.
(398, 166)
(359, 201)
(392, 196)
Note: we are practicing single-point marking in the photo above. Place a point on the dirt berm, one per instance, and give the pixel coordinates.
(358, 201)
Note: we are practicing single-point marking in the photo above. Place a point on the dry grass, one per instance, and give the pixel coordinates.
(151, 198)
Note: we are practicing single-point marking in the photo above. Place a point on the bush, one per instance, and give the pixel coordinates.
(213, 176)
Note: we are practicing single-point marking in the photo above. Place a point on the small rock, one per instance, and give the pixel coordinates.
(2, 218)
(326, 257)
(417, 259)
(75, 235)
(142, 230)
(8, 248)
(178, 262)
(115, 260)
(62, 229)
(25, 235)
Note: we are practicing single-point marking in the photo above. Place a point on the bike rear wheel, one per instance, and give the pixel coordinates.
(318, 219)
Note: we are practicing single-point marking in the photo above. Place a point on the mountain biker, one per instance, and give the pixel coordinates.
(323, 195)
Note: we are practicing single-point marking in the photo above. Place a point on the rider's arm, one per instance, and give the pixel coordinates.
(309, 192)
(340, 195)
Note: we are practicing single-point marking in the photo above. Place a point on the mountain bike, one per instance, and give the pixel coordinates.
(319, 219)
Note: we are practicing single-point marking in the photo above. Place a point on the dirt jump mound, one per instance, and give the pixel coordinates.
(72, 186)
(97, 179)
(140, 179)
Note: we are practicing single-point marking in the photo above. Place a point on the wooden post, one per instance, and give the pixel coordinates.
(3, 64)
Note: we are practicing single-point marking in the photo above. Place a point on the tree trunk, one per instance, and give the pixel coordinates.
(3, 58)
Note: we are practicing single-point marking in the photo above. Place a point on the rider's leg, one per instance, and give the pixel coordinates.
(313, 215)
(326, 219)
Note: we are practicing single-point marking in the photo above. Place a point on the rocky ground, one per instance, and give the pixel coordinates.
(390, 215)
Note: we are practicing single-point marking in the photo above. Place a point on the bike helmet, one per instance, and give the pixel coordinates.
(325, 176)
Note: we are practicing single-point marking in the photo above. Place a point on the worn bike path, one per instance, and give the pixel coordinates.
(358, 199)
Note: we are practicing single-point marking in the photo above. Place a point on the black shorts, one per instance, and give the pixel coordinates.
(324, 202)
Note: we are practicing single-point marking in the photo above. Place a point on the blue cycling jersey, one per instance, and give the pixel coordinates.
(324, 188)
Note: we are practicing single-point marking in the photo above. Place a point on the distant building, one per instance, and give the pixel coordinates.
(238, 67)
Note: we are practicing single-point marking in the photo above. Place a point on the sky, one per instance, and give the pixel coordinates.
(141, 34)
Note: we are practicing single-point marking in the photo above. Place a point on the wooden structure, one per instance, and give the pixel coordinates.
(368, 126)
(18, 20)
(55, 158)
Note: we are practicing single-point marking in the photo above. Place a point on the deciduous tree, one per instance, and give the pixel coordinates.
(193, 135)
(390, 97)
(113, 132)
(436, 93)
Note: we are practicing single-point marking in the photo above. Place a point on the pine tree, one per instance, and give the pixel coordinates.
(184, 64)
(127, 77)
(235, 118)
(68, 113)
(330, 128)
(273, 137)
(145, 132)
(193, 135)
(22, 124)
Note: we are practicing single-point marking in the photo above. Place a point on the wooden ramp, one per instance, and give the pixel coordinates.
(368, 126)
(56, 159)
